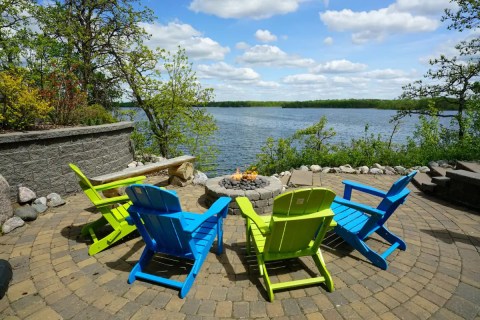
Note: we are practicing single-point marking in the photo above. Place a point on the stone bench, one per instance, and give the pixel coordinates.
(142, 170)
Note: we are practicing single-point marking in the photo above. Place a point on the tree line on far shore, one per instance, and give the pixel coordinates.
(397, 104)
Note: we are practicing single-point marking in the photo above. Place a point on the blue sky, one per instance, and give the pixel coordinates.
(304, 49)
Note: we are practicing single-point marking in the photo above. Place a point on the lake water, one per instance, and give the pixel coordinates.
(243, 131)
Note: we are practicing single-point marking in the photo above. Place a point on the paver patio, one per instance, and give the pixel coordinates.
(438, 276)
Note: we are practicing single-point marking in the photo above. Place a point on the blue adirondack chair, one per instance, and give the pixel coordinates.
(168, 230)
(356, 221)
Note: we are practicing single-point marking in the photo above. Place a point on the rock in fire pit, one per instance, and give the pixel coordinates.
(259, 189)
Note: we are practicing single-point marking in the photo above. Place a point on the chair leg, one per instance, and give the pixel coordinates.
(93, 225)
(391, 237)
(187, 284)
(322, 268)
(363, 248)
(110, 239)
(266, 278)
(219, 236)
(145, 258)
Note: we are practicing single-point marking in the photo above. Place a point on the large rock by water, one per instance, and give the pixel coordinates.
(200, 178)
(184, 171)
(6, 209)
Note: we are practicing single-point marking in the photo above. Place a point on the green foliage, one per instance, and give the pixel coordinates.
(22, 105)
(93, 115)
(430, 141)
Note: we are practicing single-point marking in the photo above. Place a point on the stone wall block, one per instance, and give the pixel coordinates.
(39, 160)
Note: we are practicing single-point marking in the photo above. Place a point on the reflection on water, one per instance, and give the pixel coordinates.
(243, 131)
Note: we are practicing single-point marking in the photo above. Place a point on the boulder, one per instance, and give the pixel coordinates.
(390, 172)
(347, 169)
(364, 169)
(424, 169)
(26, 213)
(400, 170)
(315, 168)
(179, 182)
(139, 164)
(25, 195)
(41, 200)
(132, 164)
(39, 207)
(200, 178)
(54, 200)
(378, 166)
(304, 168)
(6, 209)
(326, 169)
(376, 171)
(12, 223)
(184, 171)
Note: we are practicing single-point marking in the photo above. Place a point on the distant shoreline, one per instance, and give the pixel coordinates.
(336, 104)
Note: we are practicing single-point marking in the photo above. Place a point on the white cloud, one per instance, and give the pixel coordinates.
(273, 56)
(176, 34)
(385, 74)
(242, 45)
(423, 7)
(328, 41)
(304, 78)
(337, 66)
(377, 24)
(225, 71)
(265, 36)
(253, 9)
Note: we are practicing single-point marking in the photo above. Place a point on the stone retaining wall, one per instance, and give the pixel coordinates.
(39, 160)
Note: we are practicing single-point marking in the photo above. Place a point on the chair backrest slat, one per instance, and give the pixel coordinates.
(296, 220)
(160, 211)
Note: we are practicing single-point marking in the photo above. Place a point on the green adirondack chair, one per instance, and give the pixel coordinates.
(113, 216)
(296, 229)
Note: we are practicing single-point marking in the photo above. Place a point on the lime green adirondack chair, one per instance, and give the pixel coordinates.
(114, 216)
(296, 229)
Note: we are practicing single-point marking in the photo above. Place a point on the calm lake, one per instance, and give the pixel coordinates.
(242, 131)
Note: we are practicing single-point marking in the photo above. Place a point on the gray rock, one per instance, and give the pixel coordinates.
(12, 223)
(139, 164)
(54, 200)
(326, 170)
(376, 171)
(389, 168)
(433, 164)
(200, 178)
(335, 170)
(6, 209)
(400, 169)
(424, 169)
(41, 200)
(132, 164)
(26, 213)
(378, 166)
(303, 168)
(25, 195)
(347, 169)
(315, 168)
(389, 172)
(364, 169)
(39, 207)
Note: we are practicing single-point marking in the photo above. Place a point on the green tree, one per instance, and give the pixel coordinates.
(452, 79)
(92, 33)
(14, 32)
(174, 106)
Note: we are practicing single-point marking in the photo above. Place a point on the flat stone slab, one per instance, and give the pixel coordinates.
(424, 182)
(141, 170)
(465, 176)
(439, 171)
(301, 178)
(470, 166)
(285, 179)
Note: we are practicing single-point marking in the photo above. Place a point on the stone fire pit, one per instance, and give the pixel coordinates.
(261, 198)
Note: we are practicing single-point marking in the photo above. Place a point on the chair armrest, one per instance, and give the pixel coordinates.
(359, 206)
(352, 185)
(218, 207)
(113, 200)
(119, 183)
(247, 209)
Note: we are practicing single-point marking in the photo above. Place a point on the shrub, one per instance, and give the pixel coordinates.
(21, 106)
(93, 115)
